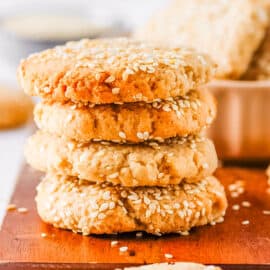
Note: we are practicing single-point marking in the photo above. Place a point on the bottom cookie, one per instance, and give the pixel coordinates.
(80, 206)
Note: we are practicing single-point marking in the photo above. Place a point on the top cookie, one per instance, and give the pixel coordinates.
(229, 31)
(113, 70)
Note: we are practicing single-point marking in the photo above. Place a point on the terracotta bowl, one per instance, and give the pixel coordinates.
(241, 130)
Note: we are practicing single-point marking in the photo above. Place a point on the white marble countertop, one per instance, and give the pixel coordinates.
(11, 158)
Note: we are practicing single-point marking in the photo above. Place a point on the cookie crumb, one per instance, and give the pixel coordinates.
(11, 206)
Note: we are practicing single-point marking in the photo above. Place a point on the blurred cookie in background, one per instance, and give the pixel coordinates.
(15, 108)
(259, 68)
(229, 33)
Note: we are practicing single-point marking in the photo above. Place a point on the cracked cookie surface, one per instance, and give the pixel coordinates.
(133, 122)
(144, 164)
(105, 209)
(113, 70)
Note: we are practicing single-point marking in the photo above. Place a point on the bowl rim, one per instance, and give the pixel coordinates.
(263, 84)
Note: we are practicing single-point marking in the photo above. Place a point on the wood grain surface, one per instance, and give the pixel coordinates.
(229, 244)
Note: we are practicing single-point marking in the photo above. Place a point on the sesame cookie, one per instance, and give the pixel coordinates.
(259, 68)
(104, 209)
(133, 122)
(15, 108)
(147, 164)
(113, 70)
(229, 33)
(174, 266)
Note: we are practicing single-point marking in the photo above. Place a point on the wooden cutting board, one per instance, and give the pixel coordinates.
(229, 244)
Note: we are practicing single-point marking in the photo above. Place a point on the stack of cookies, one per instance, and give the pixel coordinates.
(119, 137)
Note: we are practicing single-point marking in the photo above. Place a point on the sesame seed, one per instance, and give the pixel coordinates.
(11, 207)
(123, 249)
(205, 165)
(113, 175)
(97, 76)
(122, 135)
(101, 216)
(140, 135)
(236, 207)
(266, 212)
(184, 233)
(115, 90)
(245, 222)
(104, 207)
(106, 195)
(114, 243)
(139, 234)
(43, 235)
(176, 205)
(111, 205)
(46, 90)
(246, 204)
(168, 256)
(219, 220)
(110, 79)
(22, 210)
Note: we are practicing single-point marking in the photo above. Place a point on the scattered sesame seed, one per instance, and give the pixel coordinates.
(123, 249)
(266, 212)
(184, 233)
(43, 235)
(22, 210)
(114, 243)
(245, 222)
(236, 207)
(11, 207)
(168, 256)
(246, 204)
(139, 234)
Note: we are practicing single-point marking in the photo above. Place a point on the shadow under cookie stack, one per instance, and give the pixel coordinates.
(119, 137)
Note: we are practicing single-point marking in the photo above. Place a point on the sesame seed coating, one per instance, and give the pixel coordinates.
(74, 204)
(152, 164)
(88, 70)
(133, 122)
